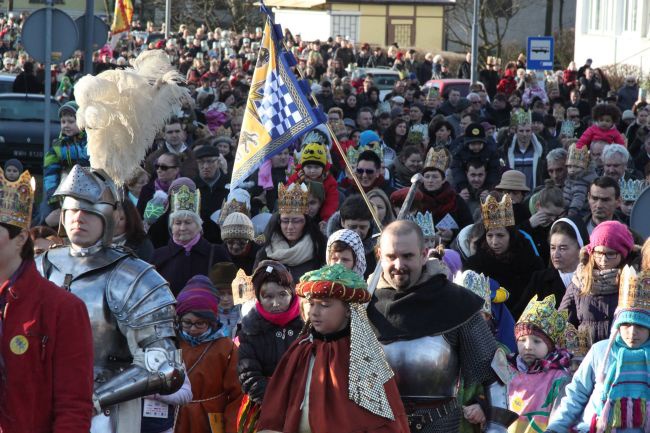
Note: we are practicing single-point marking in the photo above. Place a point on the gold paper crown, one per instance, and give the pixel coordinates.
(578, 157)
(577, 342)
(293, 199)
(231, 206)
(631, 189)
(497, 214)
(221, 131)
(520, 117)
(242, 288)
(437, 158)
(634, 289)
(543, 315)
(184, 199)
(16, 200)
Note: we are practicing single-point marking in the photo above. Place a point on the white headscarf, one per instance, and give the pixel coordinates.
(354, 241)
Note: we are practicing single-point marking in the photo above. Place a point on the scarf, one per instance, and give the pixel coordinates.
(603, 282)
(280, 251)
(189, 244)
(207, 336)
(625, 390)
(557, 360)
(402, 173)
(280, 319)
(440, 202)
(161, 185)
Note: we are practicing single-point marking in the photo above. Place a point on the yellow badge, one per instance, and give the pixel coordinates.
(517, 404)
(19, 344)
(475, 131)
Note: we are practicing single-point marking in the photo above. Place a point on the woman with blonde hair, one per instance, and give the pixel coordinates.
(382, 205)
(592, 297)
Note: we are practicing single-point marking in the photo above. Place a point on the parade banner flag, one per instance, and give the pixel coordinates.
(122, 16)
(278, 110)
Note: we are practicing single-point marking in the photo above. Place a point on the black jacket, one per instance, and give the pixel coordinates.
(212, 198)
(261, 346)
(544, 283)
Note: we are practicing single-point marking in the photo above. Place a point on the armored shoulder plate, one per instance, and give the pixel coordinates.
(138, 296)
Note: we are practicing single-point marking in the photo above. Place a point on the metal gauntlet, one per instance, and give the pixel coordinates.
(162, 373)
(499, 416)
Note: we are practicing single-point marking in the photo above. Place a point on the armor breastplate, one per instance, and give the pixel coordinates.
(426, 368)
(101, 281)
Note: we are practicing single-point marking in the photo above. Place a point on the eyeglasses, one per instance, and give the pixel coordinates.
(200, 325)
(368, 171)
(164, 167)
(610, 255)
(236, 242)
(294, 221)
(174, 131)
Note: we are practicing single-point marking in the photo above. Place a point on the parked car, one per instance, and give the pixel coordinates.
(6, 82)
(446, 84)
(22, 124)
(384, 78)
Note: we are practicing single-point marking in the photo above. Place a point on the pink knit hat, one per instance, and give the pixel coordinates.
(611, 234)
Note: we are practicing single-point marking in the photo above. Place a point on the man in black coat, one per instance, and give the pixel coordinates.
(212, 184)
(26, 81)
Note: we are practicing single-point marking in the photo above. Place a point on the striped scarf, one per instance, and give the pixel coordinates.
(626, 390)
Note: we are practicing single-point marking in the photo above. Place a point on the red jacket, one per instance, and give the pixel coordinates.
(47, 349)
(331, 201)
(595, 133)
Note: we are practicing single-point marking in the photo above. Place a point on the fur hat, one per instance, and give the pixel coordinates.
(222, 275)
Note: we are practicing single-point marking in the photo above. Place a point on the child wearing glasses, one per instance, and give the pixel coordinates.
(592, 296)
(210, 360)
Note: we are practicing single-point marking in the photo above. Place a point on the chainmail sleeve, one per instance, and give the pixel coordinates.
(476, 347)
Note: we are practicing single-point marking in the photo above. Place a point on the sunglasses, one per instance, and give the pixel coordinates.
(164, 167)
(368, 171)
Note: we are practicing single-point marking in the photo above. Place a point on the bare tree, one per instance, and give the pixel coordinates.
(493, 21)
(235, 14)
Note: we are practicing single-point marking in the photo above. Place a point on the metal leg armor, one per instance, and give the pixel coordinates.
(499, 416)
(162, 373)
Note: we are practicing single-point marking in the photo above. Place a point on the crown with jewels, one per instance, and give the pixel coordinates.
(521, 117)
(437, 158)
(293, 198)
(17, 200)
(242, 288)
(425, 221)
(478, 284)
(375, 146)
(577, 342)
(578, 157)
(546, 317)
(631, 189)
(221, 131)
(496, 214)
(231, 206)
(184, 199)
(353, 155)
(634, 289)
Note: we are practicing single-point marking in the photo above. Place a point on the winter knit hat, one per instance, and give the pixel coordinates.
(313, 153)
(237, 226)
(614, 235)
(198, 297)
(14, 163)
(69, 108)
(222, 274)
(271, 271)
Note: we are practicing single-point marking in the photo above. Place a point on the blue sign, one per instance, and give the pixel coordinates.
(539, 55)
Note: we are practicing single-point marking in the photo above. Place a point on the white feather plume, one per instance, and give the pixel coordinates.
(123, 110)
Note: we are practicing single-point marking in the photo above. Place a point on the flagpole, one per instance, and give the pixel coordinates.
(373, 212)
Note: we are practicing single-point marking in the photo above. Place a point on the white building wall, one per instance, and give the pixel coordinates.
(310, 25)
(612, 31)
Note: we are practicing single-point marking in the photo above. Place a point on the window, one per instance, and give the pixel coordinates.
(346, 26)
(630, 14)
(594, 15)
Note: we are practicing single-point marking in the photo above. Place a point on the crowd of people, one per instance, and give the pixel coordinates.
(514, 295)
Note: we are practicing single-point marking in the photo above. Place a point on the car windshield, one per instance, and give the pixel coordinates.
(26, 109)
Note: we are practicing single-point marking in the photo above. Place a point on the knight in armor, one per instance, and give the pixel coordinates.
(130, 306)
(431, 330)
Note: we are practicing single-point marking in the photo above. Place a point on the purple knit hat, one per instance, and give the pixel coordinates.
(453, 262)
(198, 297)
(177, 183)
(611, 234)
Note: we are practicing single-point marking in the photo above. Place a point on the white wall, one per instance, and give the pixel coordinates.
(310, 25)
(613, 45)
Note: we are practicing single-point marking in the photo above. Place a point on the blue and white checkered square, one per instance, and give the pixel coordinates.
(277, 110)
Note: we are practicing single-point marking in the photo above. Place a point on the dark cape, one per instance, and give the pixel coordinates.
(433, 306)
